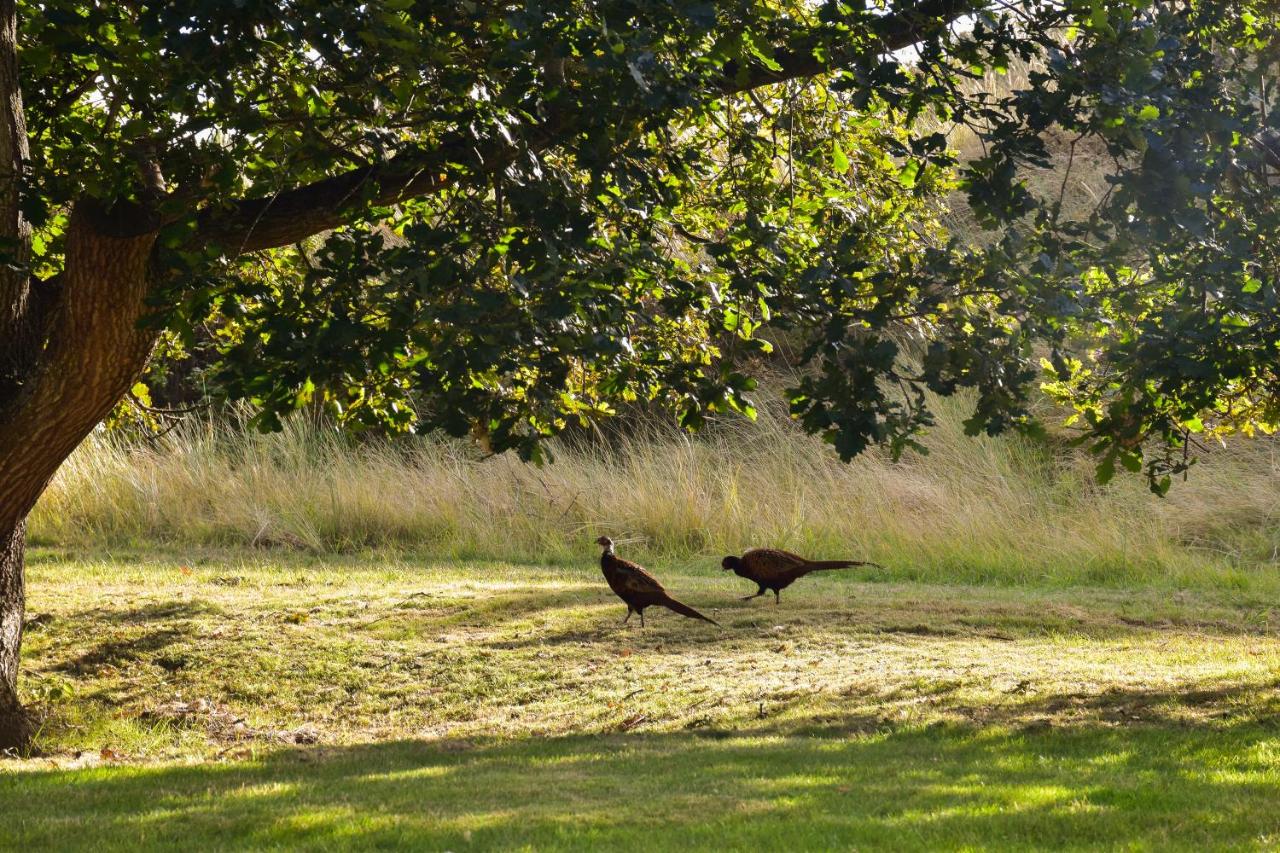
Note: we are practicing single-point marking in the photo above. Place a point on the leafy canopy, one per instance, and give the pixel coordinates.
(534, 211)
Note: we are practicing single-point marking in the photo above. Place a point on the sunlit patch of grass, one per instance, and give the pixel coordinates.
(505, 705)
(378, 647)
(911, 788)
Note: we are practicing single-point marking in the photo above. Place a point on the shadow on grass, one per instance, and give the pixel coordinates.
(521, 619)
(155, 611)
(118, 652)
(1247, 703)
(932, 788)
(604, 620)
(158, 626)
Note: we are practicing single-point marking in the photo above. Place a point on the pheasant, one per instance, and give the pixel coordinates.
(775, 569)
(637, 588)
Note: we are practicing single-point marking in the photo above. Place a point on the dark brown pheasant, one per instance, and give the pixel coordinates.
(637, 588)
(775, 569)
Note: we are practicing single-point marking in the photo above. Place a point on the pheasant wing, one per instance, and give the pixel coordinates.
(636, 580)
(772, 563)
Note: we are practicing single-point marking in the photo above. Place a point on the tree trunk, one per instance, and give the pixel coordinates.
(19, 307)
(89, 352)
(69, 350)
(15, 724)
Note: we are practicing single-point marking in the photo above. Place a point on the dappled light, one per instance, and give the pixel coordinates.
(1178, 787)
(357, 646)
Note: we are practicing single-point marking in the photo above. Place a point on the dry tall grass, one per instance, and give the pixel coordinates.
(1004, 510)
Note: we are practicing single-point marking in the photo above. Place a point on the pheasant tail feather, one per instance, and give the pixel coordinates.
(824, 565)
(686, 610)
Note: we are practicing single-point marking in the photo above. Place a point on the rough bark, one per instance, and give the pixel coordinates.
(16, 354)
(15, 724)
(16, 295)
(93, 353)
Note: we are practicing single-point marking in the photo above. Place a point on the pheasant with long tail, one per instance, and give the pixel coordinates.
(637, 588)
(775, 569)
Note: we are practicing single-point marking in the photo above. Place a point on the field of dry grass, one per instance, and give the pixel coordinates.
(1005, 510)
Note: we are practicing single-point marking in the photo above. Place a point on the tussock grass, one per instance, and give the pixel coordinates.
(1005, 510)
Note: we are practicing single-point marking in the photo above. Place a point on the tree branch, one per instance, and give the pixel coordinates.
(886, 34)
(292, 215)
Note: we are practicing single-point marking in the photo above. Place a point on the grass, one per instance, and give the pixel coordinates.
(1008, 511)
(504, 705)
(951, 790)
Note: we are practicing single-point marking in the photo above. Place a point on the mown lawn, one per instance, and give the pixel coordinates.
(250, 700)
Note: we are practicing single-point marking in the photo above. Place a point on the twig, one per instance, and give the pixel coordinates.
(631, 722)
(162, 412)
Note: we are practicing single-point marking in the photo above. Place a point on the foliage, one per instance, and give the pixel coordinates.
(542, 211)
(1161, 305)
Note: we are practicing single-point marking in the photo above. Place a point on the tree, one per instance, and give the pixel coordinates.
(594, 202)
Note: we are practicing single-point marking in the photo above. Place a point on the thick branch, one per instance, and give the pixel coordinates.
(292, 215)
(94, 349)
(887, 33)
(295, 214)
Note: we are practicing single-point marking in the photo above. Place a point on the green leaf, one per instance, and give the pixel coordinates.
(762, 51)
(839, 159)
(1099, 16)
(1106, 469)
(907, 177)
